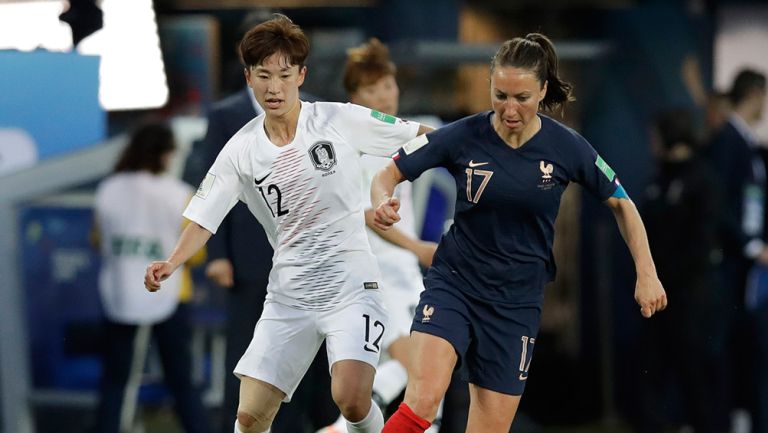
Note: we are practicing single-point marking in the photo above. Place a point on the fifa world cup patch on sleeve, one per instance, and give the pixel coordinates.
(386, 118)
(415, 144)
(605, 168)
(205, 186)
(370, 285)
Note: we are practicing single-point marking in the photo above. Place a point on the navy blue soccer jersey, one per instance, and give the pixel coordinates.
(499, 247)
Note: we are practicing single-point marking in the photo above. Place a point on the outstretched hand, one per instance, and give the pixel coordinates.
(157, 272)
(650, 295)
(386, 213)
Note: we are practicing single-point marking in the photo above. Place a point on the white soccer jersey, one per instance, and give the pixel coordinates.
(138, 218)
(307, 196)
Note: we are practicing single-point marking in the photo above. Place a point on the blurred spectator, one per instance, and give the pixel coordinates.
(240, 258)
(138, 216)
(685, 347)
(717, 112)
(736, 156)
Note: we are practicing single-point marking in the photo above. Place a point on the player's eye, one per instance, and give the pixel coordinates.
(501, 96)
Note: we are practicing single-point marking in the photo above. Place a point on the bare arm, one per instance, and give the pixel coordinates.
(424, 250)
(649, 293)
(384, 204)
(423, 129)
(192, 239)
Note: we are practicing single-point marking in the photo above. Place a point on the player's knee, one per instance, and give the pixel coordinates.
(353, 406)
(256, 422)
(425, 403)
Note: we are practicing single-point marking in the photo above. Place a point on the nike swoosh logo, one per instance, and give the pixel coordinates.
(259, 181)
(522, 377)
(473, 164)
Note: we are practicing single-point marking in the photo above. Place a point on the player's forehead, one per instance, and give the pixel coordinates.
(511, 80)
(276, 62)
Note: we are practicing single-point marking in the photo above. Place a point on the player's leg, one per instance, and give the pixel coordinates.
(498, 361)
(351, 385)
(259, 402)
(440, 336)
(490, 411)
(432, 362)
(270, 372)
(353, 338)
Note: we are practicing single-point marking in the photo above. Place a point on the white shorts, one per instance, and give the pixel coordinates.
(286, 340)
(402, 289)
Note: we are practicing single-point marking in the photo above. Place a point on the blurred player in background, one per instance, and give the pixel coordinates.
(297, 168)
(482, 303)
(138, 217)
(369, 79)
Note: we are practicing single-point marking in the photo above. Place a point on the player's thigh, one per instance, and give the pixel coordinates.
(431, 366)
(490, 411)
(259, 403)
(501, 351)
(351, 382)
(284, 344)
(401, 296)
(355, 330)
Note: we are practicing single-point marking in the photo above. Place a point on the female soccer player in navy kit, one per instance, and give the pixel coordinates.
(482, 303)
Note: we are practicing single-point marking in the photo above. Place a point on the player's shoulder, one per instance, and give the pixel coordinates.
(562, 137)
(246, 135)
(462, 129)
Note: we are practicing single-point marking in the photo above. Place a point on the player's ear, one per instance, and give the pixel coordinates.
(302, 75)
(543, 93)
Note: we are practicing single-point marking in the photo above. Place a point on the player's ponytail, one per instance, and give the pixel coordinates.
(536, 53)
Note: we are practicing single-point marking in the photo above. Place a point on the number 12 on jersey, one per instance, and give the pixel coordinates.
(270, 190)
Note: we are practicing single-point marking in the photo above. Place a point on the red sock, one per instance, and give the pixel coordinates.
(405, 421)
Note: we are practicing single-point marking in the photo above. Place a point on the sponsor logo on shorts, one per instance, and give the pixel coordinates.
(427, 313)
(370, 285)
(521, 377)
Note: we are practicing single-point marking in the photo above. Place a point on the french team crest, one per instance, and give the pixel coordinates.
(323, 155)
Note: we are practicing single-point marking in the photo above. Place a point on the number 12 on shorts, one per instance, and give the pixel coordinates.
(372, 329)
(526, 355)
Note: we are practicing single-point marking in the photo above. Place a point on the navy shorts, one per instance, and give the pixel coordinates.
(494, 342)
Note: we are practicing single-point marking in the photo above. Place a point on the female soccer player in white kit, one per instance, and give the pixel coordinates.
(297, 168)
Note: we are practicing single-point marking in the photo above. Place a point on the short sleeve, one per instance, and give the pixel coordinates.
(218, 192)
(592, 172)
(373, 132)
(422, 153)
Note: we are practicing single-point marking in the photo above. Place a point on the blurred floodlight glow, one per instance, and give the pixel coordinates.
(29, 25)
(132, 72)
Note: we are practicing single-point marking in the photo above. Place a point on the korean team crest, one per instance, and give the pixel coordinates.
(323, 155)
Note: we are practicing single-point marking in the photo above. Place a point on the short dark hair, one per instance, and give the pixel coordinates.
(536, 53)
(746, 81)
(278, 35)
(146, 148)
(366, 64)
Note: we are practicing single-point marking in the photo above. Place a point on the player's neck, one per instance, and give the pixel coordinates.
(516, 139)
(281, 129)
